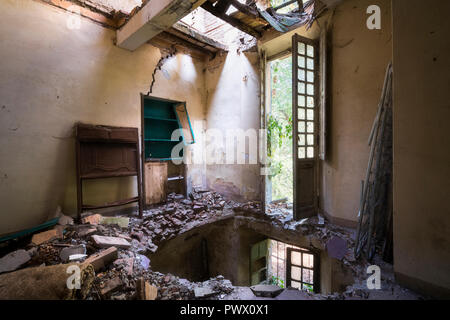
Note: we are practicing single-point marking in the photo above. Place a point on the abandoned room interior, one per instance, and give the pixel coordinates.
(224, 149)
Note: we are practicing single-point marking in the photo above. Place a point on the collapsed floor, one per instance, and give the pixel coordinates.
(121, 268)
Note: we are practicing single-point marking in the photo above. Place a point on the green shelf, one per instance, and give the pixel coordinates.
(160, 120)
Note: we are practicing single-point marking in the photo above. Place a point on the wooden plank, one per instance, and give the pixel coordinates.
(197, 36)
(152, 19)
(145, 291)
(155, 182)
(101, 259)
(233, 21)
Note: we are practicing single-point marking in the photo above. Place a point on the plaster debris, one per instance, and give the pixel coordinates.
(337, 247)
(65, 220)
(14, 260)
(120, 221)
(68, 252)
(106, 242)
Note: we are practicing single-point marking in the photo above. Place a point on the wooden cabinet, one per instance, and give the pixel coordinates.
(106, 152)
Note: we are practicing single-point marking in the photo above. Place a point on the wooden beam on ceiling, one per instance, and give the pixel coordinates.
(232, 21)
(180, 29)
(248, 10)
(152, 19)
(222, 6)
(168, 41)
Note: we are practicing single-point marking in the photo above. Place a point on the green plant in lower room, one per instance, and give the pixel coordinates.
(308, 287)
(277, 281)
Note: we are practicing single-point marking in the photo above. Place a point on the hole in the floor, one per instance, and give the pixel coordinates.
(246, 257)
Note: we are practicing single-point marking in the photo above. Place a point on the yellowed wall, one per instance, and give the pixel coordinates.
(359, 58)
(421, 145)
(52, 77)
(233, 102)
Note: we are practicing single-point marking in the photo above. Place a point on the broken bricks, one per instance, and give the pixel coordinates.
(92, 219)
(111, 286)
(46, 236)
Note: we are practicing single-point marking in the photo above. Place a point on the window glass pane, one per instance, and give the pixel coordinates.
(307, 276)
(310, 114)
(301, 75)
(308, 260)
(309, 63)
(310, 51)
(296, 273)
(301, 126)
(301, 140)
(301, 153)
(310, 139)
(301, 114)
(309, 127)
(296, 258)
(310, 76)
(310, 89)
(301, 88)
(301, 48)
(281, 249)
(310, 102)
(301, 62)
(310, 152)
(295, 284)
(301, 101)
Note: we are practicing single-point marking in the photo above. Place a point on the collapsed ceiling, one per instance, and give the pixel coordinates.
(205, 27)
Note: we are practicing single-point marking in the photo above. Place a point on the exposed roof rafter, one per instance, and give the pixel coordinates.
(217, 11)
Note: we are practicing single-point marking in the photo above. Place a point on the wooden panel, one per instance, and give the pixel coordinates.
(107, 160)
(155, 174)
(87, 133)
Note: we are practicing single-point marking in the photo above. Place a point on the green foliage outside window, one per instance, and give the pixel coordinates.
(279, 129)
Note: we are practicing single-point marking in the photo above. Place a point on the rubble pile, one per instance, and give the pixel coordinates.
(118, 248)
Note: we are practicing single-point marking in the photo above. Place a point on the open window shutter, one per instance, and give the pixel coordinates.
(185, 124)
(323, 94)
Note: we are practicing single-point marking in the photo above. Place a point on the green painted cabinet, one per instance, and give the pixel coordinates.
(160, 118)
